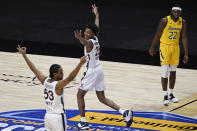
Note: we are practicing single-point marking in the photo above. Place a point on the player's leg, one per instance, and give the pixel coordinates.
(127, 114)
(106, 101)
(174, 62)
(100, 87)
(83, 124)
(165, 60)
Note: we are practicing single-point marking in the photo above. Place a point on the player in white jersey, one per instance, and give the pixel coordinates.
(93, 78)
(53, 91)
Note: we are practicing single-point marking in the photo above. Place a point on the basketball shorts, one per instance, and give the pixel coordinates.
(93, 79)
(55, 122)
(169, 54)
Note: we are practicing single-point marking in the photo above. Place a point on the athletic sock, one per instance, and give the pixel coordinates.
(170, 91)
(83, 119)
(165, 93)
(121, 111)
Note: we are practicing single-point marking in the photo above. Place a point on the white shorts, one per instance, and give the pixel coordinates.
(93, 79)
(55, 122)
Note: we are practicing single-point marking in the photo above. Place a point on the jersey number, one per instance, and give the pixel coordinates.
(97, 51)
(48, 94)
(172, 35)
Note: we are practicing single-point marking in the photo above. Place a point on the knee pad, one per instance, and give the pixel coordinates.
(173, 68)
(165, 71)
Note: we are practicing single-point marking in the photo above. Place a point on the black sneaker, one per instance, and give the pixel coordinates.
(165, 100)
(128, 116)
(172, 98)
(83, 125)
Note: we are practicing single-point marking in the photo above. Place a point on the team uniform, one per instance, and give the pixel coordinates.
(93, 78)
(169, 42)
(54, 117)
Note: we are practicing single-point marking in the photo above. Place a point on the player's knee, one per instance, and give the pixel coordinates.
(165, 71)
(101, 98)
(173, 68)
(80, 94)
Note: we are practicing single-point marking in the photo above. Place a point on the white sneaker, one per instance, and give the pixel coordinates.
(172, 98)
(165, 100)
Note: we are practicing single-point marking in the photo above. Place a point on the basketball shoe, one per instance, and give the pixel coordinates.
(83, 125)
(128, 116)
(165, 100)
(172, 98)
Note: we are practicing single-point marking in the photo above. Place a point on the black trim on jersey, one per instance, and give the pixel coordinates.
(62, 101)
(63, 121)
(84, 74)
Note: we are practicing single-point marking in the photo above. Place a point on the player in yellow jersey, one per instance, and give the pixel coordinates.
(169, 31)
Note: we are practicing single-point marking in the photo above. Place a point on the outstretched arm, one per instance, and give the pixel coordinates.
(96, 13)
(39, 75)
(61, 84)
(157, 36)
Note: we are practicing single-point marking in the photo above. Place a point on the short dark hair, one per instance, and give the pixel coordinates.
(53, 69)
(93, 27)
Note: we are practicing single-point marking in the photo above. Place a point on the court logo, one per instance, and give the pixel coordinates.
(33, 120)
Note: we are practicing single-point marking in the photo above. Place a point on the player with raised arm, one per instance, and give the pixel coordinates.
(93, 78)
(53, 91)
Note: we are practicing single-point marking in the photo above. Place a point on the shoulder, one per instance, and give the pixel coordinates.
(94, 40)
(164, 20)
(45, 80)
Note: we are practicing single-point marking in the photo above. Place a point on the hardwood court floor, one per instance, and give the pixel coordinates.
(132, 86)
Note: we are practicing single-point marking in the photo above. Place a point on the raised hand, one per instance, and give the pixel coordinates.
(22, 50)
(77, 33)
(94, 9)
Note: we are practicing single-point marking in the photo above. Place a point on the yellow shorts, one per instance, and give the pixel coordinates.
(169, 54)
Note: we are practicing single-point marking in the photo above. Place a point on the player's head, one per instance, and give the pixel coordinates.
(176, 11)
(56, 72)
(91, 30)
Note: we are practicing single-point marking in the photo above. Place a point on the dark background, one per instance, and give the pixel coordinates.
(127, 27)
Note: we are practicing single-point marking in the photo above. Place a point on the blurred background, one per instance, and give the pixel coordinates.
(127, 27)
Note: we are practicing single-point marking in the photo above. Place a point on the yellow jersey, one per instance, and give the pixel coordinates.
(172, 31)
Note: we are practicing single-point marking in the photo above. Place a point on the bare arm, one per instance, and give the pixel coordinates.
(96, 13)
(39, 75)
(185, 43)
(61, 84)
(158, 34)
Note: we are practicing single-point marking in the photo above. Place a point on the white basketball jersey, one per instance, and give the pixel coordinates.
(54, 102)
(93, 56)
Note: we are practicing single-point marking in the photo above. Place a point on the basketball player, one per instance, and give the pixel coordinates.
(93, 78)
(53, 91)
(169, 31)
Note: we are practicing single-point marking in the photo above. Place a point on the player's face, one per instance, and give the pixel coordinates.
(88, 33)
(176, 13)
(59, 74)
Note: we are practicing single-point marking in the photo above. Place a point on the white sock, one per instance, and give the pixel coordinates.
(170, 91)
(83, 119)
(121, 111)
(165, 93)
